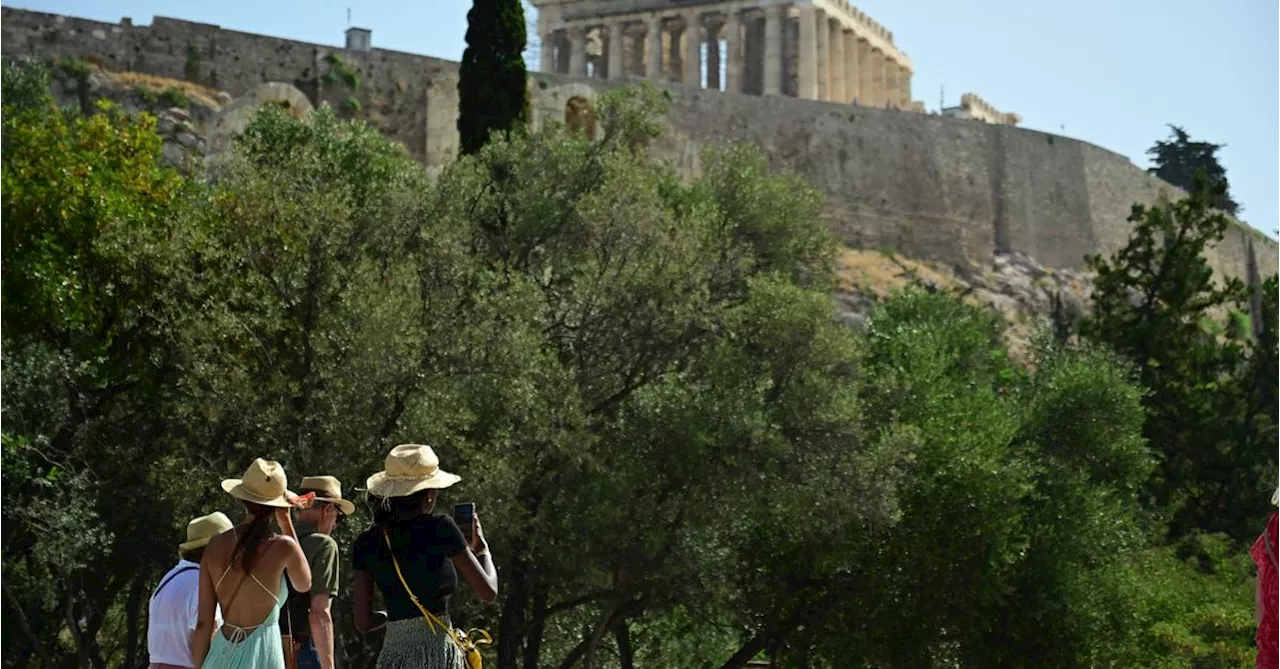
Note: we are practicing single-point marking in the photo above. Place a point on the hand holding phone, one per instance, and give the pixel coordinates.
(465, 516)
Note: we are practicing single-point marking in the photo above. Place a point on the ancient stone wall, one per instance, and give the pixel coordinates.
(932, 187)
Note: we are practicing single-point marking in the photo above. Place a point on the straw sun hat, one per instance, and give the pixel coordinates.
(263, 483)
(203, 529)
(328, 489)
(410, 468)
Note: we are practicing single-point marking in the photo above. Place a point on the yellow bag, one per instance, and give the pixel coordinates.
(466, 642)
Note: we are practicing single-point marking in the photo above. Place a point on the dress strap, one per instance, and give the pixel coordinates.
(269, 592)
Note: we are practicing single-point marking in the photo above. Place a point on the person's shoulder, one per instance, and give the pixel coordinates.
(319, 541)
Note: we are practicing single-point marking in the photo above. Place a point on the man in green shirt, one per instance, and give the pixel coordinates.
(308, 615)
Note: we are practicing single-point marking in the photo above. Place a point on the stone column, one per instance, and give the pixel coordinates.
(578, 51)
(851, 65)
(824, 56)
(838, 92)
(653, 44)
(712, 25)
(866, 78)
(615, 63)
(675, 55)
(692, 75)
(808, 74)
(547, 52)
(878, 84)
(733, 54)
(904, 87)
(891, 91)
(773, 16)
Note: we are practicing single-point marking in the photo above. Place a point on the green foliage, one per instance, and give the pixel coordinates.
(351, 105)
(338, 70)
(492, 93)
(26, 86)
(174, 97)
(146, 95)
(75, 68)
(1179, 160)
(1158, 304)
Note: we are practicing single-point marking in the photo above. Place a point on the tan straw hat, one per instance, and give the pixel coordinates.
(263, 483)
(204, 528)
(410, 468)
(327, 489)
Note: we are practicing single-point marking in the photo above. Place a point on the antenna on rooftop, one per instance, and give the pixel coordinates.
(348, 17)
(942, 98)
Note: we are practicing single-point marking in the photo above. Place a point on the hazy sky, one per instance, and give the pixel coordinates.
(1111, 73)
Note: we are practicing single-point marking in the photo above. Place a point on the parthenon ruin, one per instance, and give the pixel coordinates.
(813, 49)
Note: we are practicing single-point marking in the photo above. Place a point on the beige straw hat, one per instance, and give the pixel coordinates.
(327, 489)
(410, 468)
(201, 530)
(263, 483)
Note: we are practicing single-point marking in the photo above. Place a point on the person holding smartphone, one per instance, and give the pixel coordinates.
(415, 558)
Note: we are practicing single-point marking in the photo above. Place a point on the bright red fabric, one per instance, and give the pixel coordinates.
(1267, 629)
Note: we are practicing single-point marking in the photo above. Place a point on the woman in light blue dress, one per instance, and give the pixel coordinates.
(236, 571)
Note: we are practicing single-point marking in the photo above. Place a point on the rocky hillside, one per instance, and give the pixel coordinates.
(1021, 290)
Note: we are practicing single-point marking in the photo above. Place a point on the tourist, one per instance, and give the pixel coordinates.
(410, 547)
(308, 620)
(1264, 556)
(257, 551)
(172, 612)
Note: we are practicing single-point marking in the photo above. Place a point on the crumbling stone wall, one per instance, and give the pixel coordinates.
(935, 188)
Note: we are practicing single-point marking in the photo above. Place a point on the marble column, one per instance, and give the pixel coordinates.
(824, 56)
(653, 44)
(877, 97)
(712, 25)
(577, 51)
(614, 62)
(773, 17)
(904, 87)
(807, 78)
(733, 53)
(890, 84)
(692, 74)
(851, 64)
(866, 82)
(838, 91)
(547, 52)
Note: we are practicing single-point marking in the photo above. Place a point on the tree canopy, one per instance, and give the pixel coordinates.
(1178, 159)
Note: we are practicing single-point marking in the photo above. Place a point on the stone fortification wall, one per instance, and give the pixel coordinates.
(391, 87)
(932, 187)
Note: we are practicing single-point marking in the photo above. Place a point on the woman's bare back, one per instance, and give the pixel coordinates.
(257, 591)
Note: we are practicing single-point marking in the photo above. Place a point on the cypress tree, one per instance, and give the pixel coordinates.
(491, 84)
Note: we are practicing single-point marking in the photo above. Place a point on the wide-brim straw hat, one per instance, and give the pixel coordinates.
(263, 483)
(327, 489)
(410, 468)
(200, 531)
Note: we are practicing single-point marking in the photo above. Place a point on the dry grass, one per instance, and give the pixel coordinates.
(875, 272)
(194, 92)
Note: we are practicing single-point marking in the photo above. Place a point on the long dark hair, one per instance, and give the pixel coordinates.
(255, 533)
(391, 512)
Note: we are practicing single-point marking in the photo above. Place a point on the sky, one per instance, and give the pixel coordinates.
(1114, 73)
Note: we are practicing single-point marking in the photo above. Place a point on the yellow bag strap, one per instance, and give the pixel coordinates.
(432, 620)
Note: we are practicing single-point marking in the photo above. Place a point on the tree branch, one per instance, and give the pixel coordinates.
(25, 625)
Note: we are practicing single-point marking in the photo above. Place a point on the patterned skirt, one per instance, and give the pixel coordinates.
(412, 644)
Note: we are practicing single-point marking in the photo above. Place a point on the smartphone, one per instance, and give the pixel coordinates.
(464, 515)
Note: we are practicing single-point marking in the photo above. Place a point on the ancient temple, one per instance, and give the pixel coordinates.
(813, 49)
